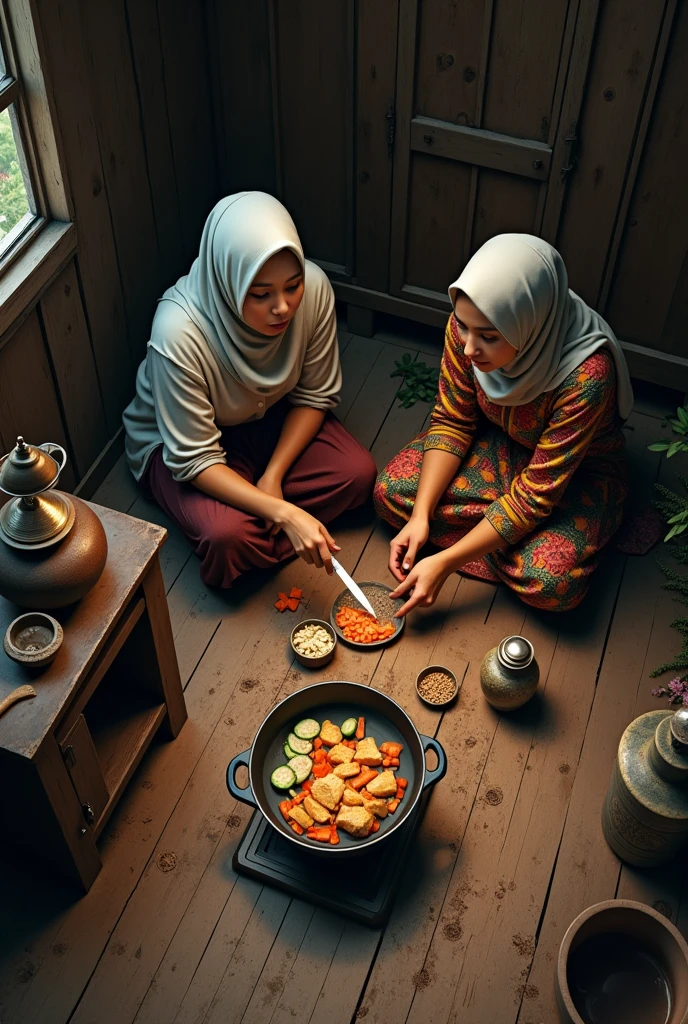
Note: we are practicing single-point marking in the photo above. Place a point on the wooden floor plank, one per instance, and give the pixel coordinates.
(357, 361)
(372, 403)
(118, 490)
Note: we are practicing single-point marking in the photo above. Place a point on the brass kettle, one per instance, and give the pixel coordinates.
(52, 545)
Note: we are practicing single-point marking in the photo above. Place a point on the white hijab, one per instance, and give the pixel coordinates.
(520, 284)
(240, 234)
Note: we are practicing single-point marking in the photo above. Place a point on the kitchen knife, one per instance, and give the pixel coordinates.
(352, 587)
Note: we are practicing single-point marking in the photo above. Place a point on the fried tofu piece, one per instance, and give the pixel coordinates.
(384, 785)
(300, 816)
(375, 805)
(328, 791)
(351, 798)
(367, 753)
(316, 811)
(339, 754)
(357, 821)
(330, 734)
(347, 771)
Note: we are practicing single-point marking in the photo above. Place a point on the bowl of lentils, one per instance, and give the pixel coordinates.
(437, 686)
(313, 642)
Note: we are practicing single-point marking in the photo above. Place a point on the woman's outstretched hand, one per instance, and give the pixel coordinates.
(406, 545)
(422, 584)
(310, 539)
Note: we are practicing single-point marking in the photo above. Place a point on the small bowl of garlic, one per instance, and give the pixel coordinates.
(313, 642)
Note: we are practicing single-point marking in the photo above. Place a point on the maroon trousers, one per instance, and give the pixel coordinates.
(335, 473)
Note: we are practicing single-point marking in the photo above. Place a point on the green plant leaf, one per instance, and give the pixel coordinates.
(406, 359)
(658, 446)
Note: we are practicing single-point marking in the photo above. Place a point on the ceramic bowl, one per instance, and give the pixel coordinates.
(627, 920)
(324, 659)
(378, 595)
(428, 671)
(33, 639)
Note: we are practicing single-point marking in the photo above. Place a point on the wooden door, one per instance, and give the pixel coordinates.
(486, 123)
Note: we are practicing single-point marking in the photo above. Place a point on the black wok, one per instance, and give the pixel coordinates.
(385, 720)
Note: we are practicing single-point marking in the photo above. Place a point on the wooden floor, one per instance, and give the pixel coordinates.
(509, 852)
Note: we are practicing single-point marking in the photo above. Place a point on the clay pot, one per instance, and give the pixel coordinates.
(632, 922)
(60, 574)
(509, 674)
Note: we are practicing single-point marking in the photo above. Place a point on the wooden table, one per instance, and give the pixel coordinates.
(67, 754)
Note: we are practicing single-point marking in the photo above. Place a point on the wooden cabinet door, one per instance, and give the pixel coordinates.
(488, 98)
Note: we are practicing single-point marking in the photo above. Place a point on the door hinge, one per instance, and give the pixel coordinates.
(391, 118)
(570, 151)
(69, 756)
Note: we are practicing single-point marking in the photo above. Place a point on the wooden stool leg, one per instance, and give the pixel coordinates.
(161, 629)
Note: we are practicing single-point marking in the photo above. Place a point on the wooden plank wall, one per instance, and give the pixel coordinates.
(133, 98)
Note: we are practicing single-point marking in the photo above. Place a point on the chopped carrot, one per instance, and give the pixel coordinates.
(375, 827)
(295, 592)
(299, 798)
(292, 604)
(402, 783)
(360, 729)
(364, 778)
(391, 749)
(317, 743)
(320, 756)
(390, 762)
(321, 770)
(297, 828)
(321, 835)
(282, 596)
(308, 785)
(361, 627)
(281, 605)
(334, 835)
(400, 793)
(284, 809)
(392, 806)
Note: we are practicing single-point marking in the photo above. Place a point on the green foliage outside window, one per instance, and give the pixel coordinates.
(14, 203)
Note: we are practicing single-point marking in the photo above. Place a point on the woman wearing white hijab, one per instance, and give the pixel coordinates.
(231, 426)
(521, 476)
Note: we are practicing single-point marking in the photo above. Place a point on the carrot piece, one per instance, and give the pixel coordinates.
(299, 798)
(284, 809)
(364, 778)
(392, 806)
(334, 835)
(295, 592)
(360, 729)
(391, 749)
(321, 835)
(282, 596)
(317, 743)
(402, 783)
(280, 605)
(320, 756)
(297, 828)
(321, 770)
(292, 604)
(375, 827)
(307, 785)
(400, 794)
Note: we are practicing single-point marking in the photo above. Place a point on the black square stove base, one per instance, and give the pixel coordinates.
(362, 887)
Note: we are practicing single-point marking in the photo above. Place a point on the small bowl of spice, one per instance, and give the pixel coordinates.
(313, 642)
(33, 639)
(437, 685)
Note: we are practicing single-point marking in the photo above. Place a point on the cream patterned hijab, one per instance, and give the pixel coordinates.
(520, 284)
(240, 234)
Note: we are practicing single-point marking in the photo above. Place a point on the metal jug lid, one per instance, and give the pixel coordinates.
(678, 725)
(515, 652)
(29, 469)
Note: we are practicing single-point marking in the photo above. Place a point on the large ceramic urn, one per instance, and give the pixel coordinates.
(645, 815)
(52, 545)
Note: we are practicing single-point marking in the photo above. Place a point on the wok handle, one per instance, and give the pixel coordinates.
(245, 795)
(431, 777)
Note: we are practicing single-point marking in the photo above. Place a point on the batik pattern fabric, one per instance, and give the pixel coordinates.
(550, 476)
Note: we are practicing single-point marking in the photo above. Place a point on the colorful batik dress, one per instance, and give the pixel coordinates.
(550, 476)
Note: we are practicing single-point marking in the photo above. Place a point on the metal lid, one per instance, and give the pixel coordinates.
(35, 522)
(679, 730)
(515, 652)
(29, 469)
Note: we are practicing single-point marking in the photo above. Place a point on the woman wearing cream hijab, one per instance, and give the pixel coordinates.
(231, 426)
(521, 476)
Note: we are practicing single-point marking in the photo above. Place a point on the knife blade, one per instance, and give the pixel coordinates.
(352, 587)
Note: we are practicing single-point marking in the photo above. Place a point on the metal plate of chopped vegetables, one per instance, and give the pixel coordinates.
(385, 607)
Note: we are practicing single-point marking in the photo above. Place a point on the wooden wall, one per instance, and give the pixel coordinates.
(486, 99)
(131, 93)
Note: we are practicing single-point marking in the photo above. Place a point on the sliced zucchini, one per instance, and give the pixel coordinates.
(302, 766)
(307, 729)
(283, 777)
(349, 727)
(298, 745)
(288, 752)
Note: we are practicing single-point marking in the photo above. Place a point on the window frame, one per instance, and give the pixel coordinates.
(29, 262)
